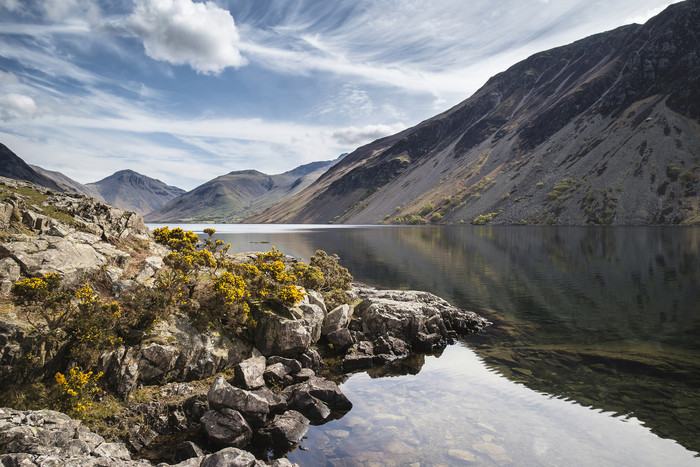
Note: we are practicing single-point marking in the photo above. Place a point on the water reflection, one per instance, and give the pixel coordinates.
(457, 412)
(607, 317)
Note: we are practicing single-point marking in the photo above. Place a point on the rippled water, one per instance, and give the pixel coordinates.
(593, 358)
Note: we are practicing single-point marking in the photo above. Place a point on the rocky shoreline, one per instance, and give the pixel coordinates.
(216, 397)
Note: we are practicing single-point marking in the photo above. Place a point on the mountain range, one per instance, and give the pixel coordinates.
(227, 198)
(605, 130)
(234, 196)
(601, 131)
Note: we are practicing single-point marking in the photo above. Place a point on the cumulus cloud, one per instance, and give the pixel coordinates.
(354, 136)
(181, 32)
(16, 106)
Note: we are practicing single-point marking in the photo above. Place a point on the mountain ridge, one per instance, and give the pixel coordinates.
(237, 194)
(13, 166)
(132, 191)
(601, 131)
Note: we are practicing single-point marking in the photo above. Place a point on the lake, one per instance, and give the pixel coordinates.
(593, 357)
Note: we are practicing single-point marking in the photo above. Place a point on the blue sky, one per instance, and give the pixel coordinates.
(184, 91)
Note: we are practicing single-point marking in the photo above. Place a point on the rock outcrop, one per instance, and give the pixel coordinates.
(389, 324)
(174, 350)
(46, 437)
(72, 234)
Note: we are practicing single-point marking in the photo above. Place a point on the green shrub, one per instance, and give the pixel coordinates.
(687, 177)
(427, 209)
(484, 218)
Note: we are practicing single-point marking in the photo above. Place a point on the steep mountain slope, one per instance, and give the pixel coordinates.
(12, 166)
(602, 131)
(67, 182)
(131, 191)
(233, 196)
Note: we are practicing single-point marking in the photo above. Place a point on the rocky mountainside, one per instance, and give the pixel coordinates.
(605, 130)
(68, 183)
(12, 166)
(132, 191)
(231, 197)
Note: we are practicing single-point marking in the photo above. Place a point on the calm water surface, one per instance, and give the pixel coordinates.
(593, 357)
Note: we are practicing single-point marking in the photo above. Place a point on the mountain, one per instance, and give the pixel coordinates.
(68, 183)
(233, 196)
(131, 191)
(12, 166)
(602, 131)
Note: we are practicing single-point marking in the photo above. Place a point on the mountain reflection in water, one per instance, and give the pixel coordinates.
(607, 318)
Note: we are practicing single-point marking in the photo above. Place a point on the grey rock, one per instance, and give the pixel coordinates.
(9, 269)
(337, 319)
(276, 373)
(277, 335)
(198, 355)
(187, 450)
(226, 427)
(312, 407)
(46, 438)
(304, 375)
(322, 389)
(229, 457)
(341, 339)
(285, 429)
(222, 395)
(248, 374)
(277, 403)
(315, 298)
(112, 450)
(311, 359)
(412, 316)
(291, 363)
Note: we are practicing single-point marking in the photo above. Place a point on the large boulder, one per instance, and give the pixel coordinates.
(248, 374)
(226, 427)
(315, 398)
(255, 408)
(420, 319)
(279, 335)
(284, 430)
(293, 333)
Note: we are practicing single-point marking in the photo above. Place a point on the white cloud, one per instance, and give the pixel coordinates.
(354, 136)
(16, 106)
(60, 10)
(8, 78)
(181, 32)
(11, 5)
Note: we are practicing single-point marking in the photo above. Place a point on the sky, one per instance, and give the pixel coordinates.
(185, 91)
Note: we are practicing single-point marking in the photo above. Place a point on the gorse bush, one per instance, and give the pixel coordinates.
(325, 275)
(76, 392)
(42, 296)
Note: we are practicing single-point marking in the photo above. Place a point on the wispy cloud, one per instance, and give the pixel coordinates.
(186, 90)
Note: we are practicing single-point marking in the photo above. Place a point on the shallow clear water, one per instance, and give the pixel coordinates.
(606, 318)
